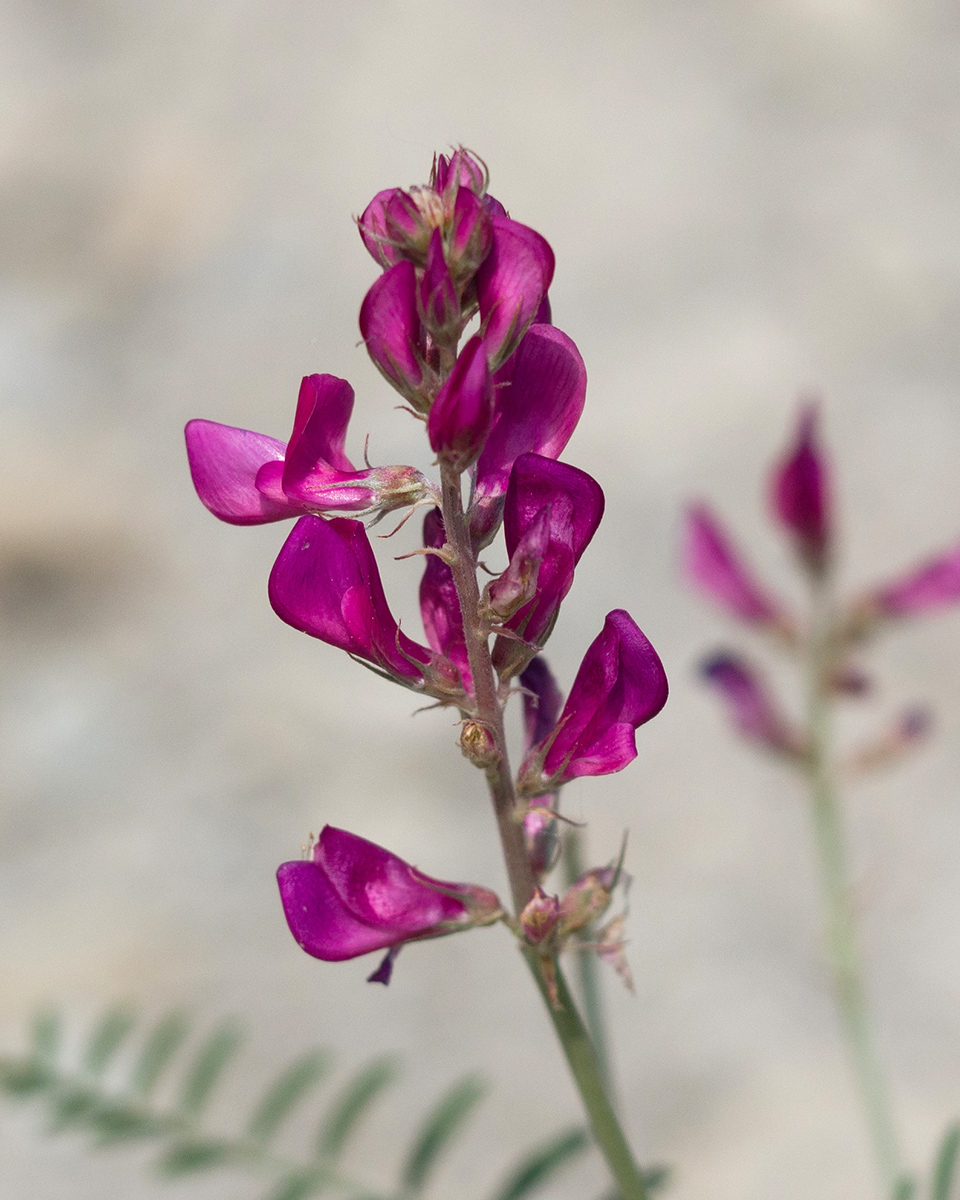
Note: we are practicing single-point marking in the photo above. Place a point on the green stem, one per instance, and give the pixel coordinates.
(585, 1068)
(589, 976)
(844, 956)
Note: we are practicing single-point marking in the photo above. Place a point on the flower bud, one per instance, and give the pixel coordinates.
(477, 744)
(586, 900)
(800, 494)
(390, 327)
(750, 706)
(462, 413)
(540, 917)
(439, 307)
(470, 237)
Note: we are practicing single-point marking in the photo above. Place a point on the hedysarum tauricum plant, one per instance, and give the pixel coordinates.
(499, 411)
(828, 641)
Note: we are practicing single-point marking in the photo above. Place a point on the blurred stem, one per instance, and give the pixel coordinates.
(587, 964)
(843, 952)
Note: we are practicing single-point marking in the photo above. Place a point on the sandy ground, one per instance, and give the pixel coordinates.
(746, 200)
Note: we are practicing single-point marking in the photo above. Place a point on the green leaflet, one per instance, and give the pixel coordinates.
(162, 1043)
(203, 1076)
(106, 1039)
(292, 1086)
(945, 1166)
(441, 1125)
(352, 1103)
(534, 1170)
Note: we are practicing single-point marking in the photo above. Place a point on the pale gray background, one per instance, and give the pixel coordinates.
(746, 200)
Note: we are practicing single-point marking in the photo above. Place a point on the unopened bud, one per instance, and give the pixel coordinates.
(477, 744)
(439, 307)
(586, 900)
(539, 918)
(462, 413)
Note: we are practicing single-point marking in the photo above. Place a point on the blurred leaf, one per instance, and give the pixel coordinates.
(351, 1104)
(106, 1039)
(118, 1122)
(291, 1087)
(298, 1186)
(71, 1105)
(47, 1035)
(904, 1188)
(160, 1047)
(440, 1127)
(206, 1071)
(23, 1078)
(534, 1170)
(185, 1157)
(945, 1167)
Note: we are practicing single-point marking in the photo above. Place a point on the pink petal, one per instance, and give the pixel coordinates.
(224, 462)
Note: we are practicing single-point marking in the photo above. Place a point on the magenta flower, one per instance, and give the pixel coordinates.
(246, 478)
(715, 568)
(325, 582)
(462, 413)
(439, 605)
(390, 327)
(552, 511)
(935, 584)
(750, 706)
(621, 685)
(539, 396)
(800, 493)
(350, 897)
(511, 283)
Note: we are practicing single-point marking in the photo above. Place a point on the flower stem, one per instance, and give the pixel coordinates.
(844, 956)
(588, 1076)
(581, 1056)
(589, 976)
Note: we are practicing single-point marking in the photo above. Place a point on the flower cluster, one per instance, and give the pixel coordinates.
(499, 410)
(800, 494)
